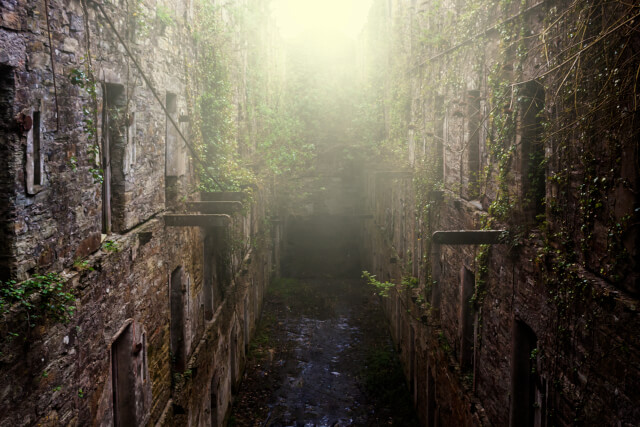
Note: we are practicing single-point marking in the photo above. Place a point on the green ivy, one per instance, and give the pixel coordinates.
(41, 296)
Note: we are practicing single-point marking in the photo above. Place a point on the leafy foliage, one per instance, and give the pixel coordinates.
(41, 296)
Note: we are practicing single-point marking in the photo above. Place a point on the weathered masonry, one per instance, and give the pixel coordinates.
(510, 224)
(97, 191)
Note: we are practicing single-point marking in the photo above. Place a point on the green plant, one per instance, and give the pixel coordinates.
(410, 282)
(110, 246)
(83, 78)
(383, 288)
(80, 393)
(41, 296)
(73, 163)
(82, 265)
(163, 15)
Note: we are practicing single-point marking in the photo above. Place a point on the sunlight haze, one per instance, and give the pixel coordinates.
(327, 18)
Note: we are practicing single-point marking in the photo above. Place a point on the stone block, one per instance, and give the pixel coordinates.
(10, 20)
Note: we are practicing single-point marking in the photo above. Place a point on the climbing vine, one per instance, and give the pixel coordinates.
(41, 297)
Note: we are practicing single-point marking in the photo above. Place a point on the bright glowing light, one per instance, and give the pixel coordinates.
(326, 18)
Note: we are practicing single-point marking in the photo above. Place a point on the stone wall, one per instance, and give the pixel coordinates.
(164, 313)
(540, 328)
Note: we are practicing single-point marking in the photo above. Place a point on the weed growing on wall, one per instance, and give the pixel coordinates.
(41, 297)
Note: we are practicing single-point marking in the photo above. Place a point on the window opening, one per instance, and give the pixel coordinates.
(431, 399)
(532, 148)
(177, 320)
(174, 162)
(37, 163)
(523, 375)
(209, 276)
(113, 145)
(473, 131)
(123, 377)
(439, 135)
(214, 401)
(467, 319)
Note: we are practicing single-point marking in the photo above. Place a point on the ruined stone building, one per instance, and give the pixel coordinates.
(161, 284)
(493, 179)
(521, 119)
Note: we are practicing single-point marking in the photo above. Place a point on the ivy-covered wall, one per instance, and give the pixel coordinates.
(521, 117)
(116, 117)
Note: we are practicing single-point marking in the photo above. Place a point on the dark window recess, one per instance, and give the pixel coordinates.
(9, 144)
(523, 376)
(209, 274)
(178, 355)
(467, 319)
(223, 261)
(123, 379)
(473, 143)
(439, 135)
(431, 399)
(214, 400)
(37, 149)
(174, 154)
(532, 148)
(233, 356)
(412, 362)
(246, 325)
(114, 143)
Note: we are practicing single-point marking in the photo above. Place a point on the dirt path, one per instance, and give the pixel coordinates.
(322, 357)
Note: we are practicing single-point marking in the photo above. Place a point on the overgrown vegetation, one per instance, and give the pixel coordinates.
(41, 297)
(558, 120)
(385, 383)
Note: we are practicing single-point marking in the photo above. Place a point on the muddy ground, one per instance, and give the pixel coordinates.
(322, 356)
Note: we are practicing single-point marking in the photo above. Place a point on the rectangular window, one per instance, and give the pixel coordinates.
(177, 338)
(532, 165)
(37, 162)
(467, 319)
(246, 325)
(473, 143)
(213, 394)
(431, 399)
(439, 135)
(233, 356)
(113, 148)
(33, 167)
(10, 140)
(209, 276)
(173, 152)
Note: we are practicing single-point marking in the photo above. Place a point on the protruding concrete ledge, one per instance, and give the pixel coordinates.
(224, 207)
(468, 237)
(223, 196)
(196, 220)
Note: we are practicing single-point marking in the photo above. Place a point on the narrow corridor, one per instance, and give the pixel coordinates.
(322, 356)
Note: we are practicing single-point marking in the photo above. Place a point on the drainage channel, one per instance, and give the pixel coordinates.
(322, 356)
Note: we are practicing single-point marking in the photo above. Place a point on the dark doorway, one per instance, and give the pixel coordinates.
(177, 320)
(123, 379)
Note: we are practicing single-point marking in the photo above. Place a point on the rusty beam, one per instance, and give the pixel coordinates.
(206, 221)
(468, 237)
(225, 207)
(223, 196)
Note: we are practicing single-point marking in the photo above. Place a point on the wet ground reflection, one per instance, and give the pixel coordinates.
(322, 357)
